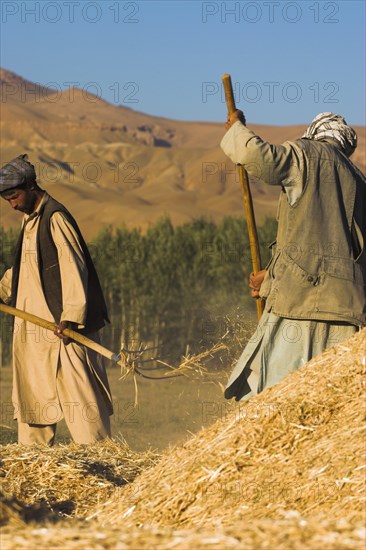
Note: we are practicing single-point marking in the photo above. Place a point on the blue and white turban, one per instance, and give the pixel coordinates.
(330, 125)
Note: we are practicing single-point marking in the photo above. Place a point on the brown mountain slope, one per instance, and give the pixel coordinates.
(112, 165)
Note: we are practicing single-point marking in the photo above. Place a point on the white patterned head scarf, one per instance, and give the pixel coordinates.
(330, 125)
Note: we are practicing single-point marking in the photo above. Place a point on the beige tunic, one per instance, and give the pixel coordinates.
(37, 352)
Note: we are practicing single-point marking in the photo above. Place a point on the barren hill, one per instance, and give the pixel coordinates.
(111, 165)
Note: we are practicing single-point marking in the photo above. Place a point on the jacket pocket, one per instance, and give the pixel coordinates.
(342, 268)
(304, 277)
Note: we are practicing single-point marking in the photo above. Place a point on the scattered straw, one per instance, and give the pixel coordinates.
(297, 446)
(69, 479)
(282, 470)
(293, 533)
(194, 364)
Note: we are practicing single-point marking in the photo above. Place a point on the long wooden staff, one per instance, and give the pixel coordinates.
(127, 359)
(80, 338)
(49, 325)
(247, 196)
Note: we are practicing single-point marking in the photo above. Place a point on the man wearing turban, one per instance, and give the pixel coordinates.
(53, 277)
(315, 283)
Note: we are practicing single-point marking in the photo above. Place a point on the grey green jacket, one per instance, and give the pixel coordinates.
(318, 265)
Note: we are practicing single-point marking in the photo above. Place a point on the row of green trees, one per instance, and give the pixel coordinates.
(169, 287)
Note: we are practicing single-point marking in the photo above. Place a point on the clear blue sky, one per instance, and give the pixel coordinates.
(289, 60)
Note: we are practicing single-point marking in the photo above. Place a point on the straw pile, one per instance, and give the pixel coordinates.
(283, 470)
(292, 533)
(297, 448)
(66, 480)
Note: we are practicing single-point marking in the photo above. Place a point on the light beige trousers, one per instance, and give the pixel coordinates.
(81, 403)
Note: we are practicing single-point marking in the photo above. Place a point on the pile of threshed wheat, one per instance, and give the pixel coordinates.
(283, 470)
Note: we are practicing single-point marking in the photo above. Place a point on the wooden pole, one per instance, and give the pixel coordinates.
(247, 196)
(49, 325)
(76, 336)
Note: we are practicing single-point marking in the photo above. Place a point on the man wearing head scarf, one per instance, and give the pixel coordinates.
(315, 284)
(53, 277)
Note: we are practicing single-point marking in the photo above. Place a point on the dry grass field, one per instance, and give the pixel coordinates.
(167, 412)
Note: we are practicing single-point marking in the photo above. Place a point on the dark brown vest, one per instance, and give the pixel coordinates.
(49, 270)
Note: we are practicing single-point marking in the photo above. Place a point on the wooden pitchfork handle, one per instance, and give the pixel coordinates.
(76, 336)
(125, 359)
(247, 196)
